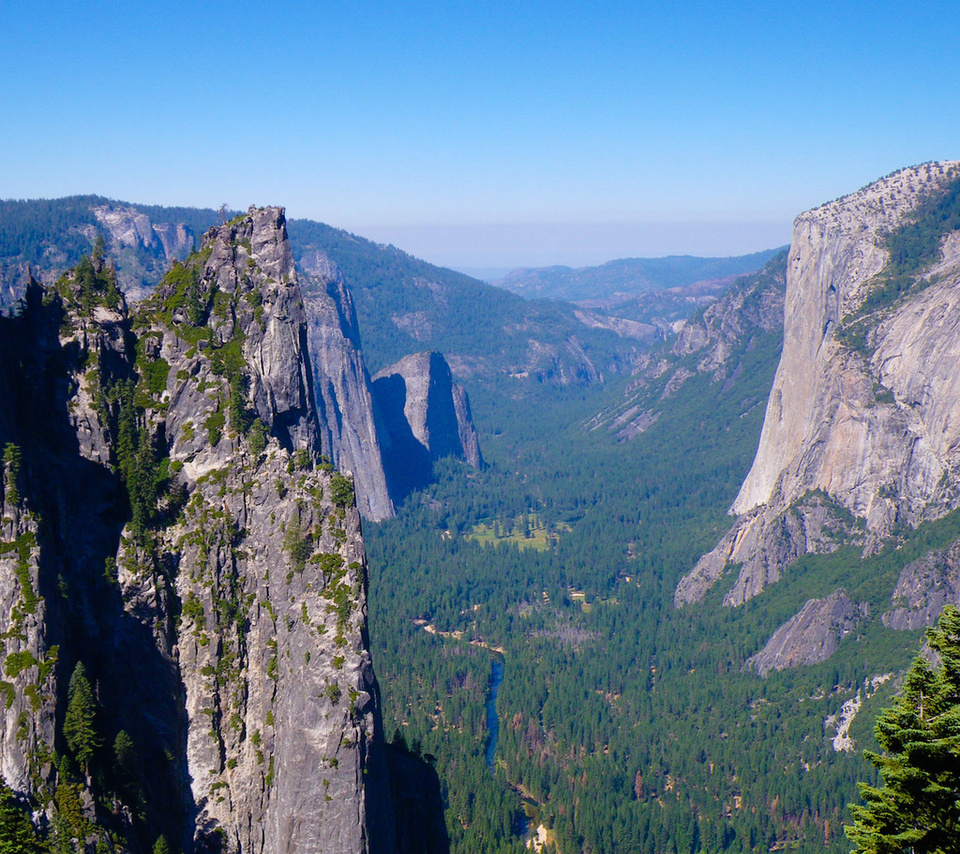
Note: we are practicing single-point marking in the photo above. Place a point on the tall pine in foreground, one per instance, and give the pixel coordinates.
(917, 809)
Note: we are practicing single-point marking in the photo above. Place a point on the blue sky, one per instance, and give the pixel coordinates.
(483, 133)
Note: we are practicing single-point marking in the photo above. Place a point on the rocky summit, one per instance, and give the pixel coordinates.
(183, 574)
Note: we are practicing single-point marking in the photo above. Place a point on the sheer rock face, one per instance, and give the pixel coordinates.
(280, 700)
(427, 417)
(231, 641)
(880, 437)
(128, 228)
(56, 498)
(811, 636)
(279, 689)
(923, 588)
(23, 727)
(352, 433)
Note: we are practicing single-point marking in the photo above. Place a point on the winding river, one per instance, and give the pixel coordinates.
(526, 821)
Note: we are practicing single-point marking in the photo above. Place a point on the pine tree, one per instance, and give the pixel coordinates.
(918, 807)
(17, 835)
(79, 723)
(126, 765)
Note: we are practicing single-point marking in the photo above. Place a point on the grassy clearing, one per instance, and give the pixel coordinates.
(526, 531)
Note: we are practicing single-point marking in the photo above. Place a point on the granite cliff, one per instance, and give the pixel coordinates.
(169, 524)
(352, 429)
(42, 239)
(426, 416)
(386, 432)
(862, 431)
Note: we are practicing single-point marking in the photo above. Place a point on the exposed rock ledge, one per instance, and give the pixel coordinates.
(924, 587)
(810, 636)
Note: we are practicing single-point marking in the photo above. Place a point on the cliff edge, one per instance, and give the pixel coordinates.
(863, 419)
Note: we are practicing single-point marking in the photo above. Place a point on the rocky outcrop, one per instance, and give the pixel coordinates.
(923, 588)
(841, 722)
(712, 342)
(811, 636)
(752, 306)
(168, 523)
(270, 560)
(426, 416)
(143, 248)
(388, 432)
(873, 423)
(14, 277)
(763, 543)
(27, 727)
(351, 429)
(623, 327)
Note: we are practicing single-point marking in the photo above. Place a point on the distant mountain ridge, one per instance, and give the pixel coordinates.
(627, 277)
(721, 340)
(403, 305)
(44, 237)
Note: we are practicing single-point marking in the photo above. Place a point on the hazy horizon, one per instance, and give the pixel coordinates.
(475, 248)
(495, 134)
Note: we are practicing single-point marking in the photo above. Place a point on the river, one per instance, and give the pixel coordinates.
(525, 820)
(497, 668)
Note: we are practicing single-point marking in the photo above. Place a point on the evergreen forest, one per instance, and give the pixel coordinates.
(621, 723)
(624, 724)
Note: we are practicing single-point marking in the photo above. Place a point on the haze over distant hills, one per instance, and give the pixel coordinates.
(627, 277)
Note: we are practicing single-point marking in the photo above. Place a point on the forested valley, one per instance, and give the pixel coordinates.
(625, 725)
(611, 461)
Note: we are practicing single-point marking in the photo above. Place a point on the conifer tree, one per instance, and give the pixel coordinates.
(125, 763)
(917, 809)
(79, 723)
(17, 835)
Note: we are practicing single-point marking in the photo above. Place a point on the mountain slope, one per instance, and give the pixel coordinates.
(863, 408)
(405, 306)
(719, 341)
